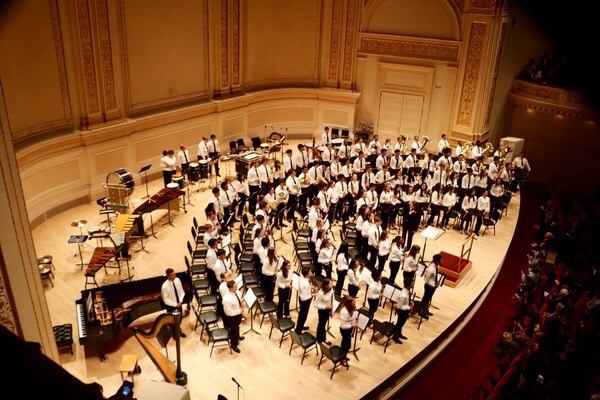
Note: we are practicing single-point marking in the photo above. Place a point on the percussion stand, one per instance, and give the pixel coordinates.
(145, 171)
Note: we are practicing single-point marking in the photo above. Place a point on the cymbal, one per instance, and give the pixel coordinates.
(78, 222)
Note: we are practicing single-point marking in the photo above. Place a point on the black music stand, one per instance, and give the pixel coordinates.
(251, 300)
(432, 233)
(361, 324)
(79, 239)
(277, 216)
(474, 213)
(145, 171)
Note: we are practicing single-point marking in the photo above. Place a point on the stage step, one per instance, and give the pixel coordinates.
(454, 268)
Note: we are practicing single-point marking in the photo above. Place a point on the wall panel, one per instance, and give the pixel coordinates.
(165, 52)
(282, 43)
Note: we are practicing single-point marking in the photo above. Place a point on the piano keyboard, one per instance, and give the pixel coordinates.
(80, 309)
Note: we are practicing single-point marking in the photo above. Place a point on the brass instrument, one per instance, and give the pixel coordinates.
(403, 146)
(489, 148)
(467, 149)
(281, 196)
(424, 143)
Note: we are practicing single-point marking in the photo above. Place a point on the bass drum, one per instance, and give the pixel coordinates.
(121, 177)
(194, 172)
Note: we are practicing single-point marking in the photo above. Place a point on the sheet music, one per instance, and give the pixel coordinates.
(296, 281)
(441, 279)
(365, 275)
(363, 321)
(421, 269)
(239, 281)
(226, 241)
(335, 304)
(250, 297)
(388, 291)
(431, 232)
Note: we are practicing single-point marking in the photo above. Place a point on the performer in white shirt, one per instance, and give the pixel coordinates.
(183, 159)
(203, 149)
(348, 319)
(430, 277)
(253, 187)
(324, 305)
(293, 187)
(458, 150)
(300, 159)
(476, 151)
(326, 257)
(233, 308)
(168, 162)
(305, 296)
(483, 205)
(214, 152)
(448, 203)
(469, 202)
(283, 282)
(367, 178)
(443, 143)
(403, 307)
(375, 145)
(326, 136)
(288, 162)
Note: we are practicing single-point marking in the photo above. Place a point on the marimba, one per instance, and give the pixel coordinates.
(100, 257)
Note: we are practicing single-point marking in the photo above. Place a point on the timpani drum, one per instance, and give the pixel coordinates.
(203, 169)
(194, 172)
(178, 179)
(337, 142)
(173, 185)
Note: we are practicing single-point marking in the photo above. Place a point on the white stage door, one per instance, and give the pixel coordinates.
(399, 114)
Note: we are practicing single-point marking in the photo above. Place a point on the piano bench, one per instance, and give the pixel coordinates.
(63, 334)
(129, 365)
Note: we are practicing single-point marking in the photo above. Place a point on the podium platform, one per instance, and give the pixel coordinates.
(453, 268)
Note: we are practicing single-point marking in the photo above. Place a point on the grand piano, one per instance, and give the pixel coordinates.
(104, 313)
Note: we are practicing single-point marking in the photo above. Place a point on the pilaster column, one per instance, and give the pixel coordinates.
(228, 50)
(23, 306)
(483, 37)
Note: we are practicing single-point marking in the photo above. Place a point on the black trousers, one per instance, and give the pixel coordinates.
(215, 156)
(346, 344)
(240, 204)
(167, 176)
(283, 306)
(267, 282)
(292, 203)
(402, 318)
(302, 315)
(253, 190)
(394, 268)
(381, 260)
(373, 305)
(427, 296)
(339, 284)
(233, 323)
(372, 256)
(352, 290)
(322, 325)
(409, 278)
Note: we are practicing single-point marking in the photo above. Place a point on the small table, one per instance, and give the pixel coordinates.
(128, 365)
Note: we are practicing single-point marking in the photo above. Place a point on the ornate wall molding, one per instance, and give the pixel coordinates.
(223, 35)
(350, 38)
(106, 60)
(441, 50)
(334, 43)
(87, 59)
(488, 112)
(235, 43)
(469, 88)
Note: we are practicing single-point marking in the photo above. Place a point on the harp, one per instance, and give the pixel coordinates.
(165, 326)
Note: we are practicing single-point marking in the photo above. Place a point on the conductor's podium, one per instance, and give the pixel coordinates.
(454, 268)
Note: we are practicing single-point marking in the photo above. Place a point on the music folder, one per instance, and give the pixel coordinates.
(296, 281)
(363, 321)
(389, 292)
(249, 297)
(78, 238)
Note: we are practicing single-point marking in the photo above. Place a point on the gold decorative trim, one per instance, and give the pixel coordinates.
(351, 20)
(475, 51)
(488, 113)
(87, 57)
(106, 59)
(276, 83)
(224, 46)
(409, 47)
(555, 109)
(235, 45)
(334, 43)
(545, 92)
